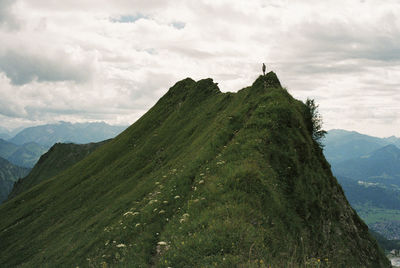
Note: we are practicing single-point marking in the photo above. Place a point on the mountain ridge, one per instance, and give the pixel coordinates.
(204, 178)
(24, 155)
(381, 165)
(341, 145)
(9, 173)
(58, 158)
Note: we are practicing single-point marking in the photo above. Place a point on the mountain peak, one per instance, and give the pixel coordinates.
(271, 80)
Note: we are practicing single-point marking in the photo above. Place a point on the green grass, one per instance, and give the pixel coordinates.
(373, 214)
(59, 157)
(203, 179)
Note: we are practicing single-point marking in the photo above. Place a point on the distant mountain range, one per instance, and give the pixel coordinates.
(380, 166)
(28, 145)
(80, 133)
(7, 134)
(25, 148)
(4, 133)
(9, 173)
(25, 155)
(60, 157)
(341, 145)
(368, 168)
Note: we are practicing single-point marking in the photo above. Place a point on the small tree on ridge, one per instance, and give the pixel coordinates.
(315, 119)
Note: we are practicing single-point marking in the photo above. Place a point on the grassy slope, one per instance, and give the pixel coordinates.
(59, 157)
(222, 179)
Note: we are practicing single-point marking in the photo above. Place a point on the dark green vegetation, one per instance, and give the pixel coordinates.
(315, 121)
(60, 157)
(204, 178)
(66, 132)
(9, 173)
(25, 155)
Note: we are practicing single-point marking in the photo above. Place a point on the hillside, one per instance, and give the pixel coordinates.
(25, 155)
(204, 178)
(372, 194)
(9, 173)
(60, 157)
(382, 165)
(341, 145)
(50, 134)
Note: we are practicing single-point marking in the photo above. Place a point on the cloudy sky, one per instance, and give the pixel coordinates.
(103, 60)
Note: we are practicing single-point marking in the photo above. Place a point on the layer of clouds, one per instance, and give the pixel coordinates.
(112, 60)
(24, 68)
(7, 17)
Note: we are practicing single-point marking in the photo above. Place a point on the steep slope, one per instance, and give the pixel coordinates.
(66, 132)
(9, 173)
(382, 165)
(202, 179)
(60, 157)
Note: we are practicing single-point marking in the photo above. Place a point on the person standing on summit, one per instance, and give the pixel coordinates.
(263, 69)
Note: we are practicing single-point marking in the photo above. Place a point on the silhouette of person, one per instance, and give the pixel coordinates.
(263, 69)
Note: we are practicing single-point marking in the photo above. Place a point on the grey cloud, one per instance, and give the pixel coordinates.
(6, 17)
(11, 108)
(339, 40)
(115, 6)
(191, 52)
(10, 111)
(22, 69)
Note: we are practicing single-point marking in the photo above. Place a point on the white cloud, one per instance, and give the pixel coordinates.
(112, 60)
